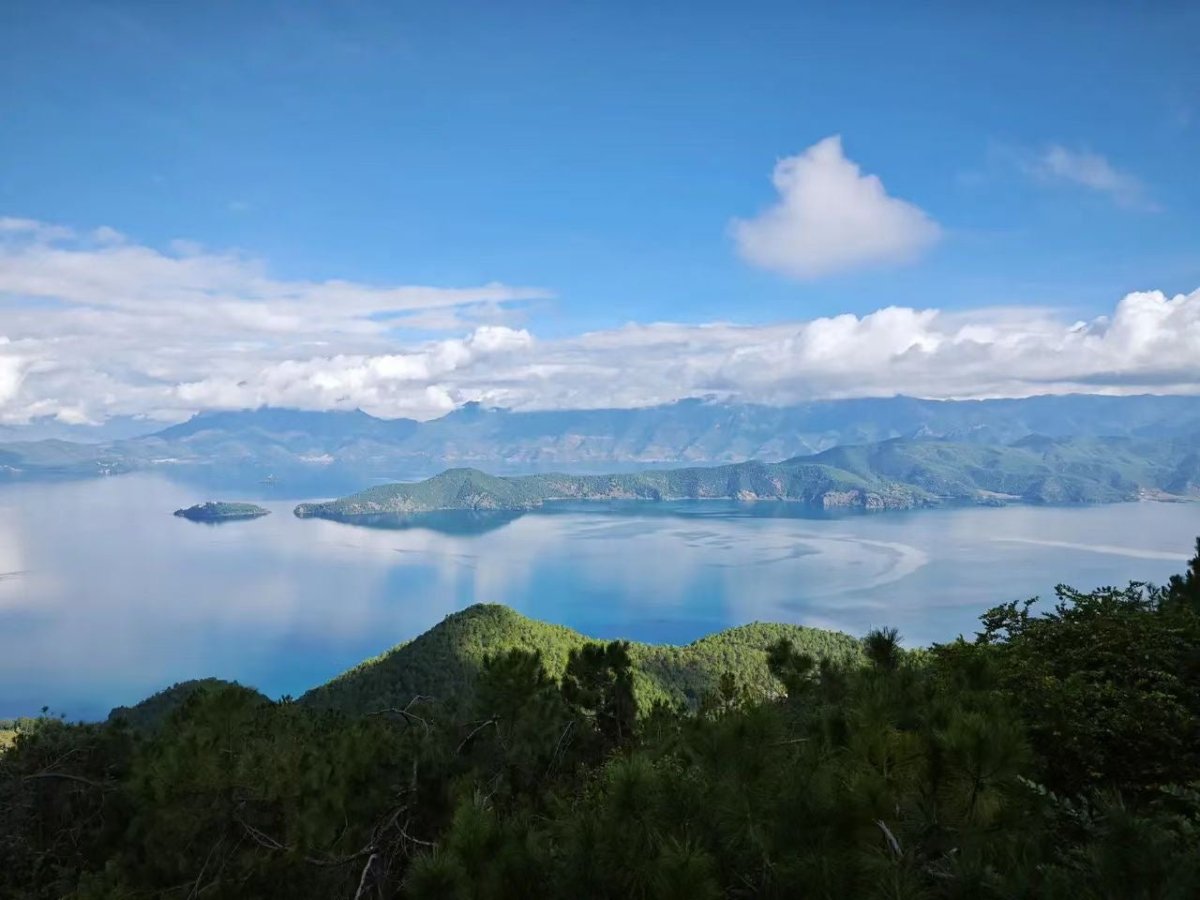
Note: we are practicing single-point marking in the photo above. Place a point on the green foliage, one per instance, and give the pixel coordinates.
(445, 661)
(1052, 757)
(150, 713)
(1183, 591)
(61, 807)
(598, 683)
(1108, 683)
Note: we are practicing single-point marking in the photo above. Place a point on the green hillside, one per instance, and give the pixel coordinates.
(1034, 469)
(446, 660)
(894, 474)
(148, 714)
(467, 489)
(470, 489)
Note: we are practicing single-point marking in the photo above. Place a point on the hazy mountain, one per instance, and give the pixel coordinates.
(118, 428)
(699, 431)
(291, 443)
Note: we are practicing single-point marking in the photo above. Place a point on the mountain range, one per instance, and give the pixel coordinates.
(288, 443)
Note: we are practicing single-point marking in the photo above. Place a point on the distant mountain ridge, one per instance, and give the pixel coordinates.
(893, 474)
(276, 441)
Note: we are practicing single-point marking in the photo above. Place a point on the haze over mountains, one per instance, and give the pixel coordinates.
(282, 441)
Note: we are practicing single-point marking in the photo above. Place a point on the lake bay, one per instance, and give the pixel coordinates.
(106, 597)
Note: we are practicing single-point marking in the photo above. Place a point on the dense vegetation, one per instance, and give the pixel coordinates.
(1053, 756)
(896, 474)
(220, 511)
(152, 712)
(446, 661)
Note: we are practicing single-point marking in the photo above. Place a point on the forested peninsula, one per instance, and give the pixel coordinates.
(894, 474)
(1054, 754)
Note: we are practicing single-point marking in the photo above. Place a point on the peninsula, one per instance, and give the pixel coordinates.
(894, 474)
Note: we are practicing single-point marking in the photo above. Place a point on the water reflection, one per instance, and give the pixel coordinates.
(450, 522)
(105, 596)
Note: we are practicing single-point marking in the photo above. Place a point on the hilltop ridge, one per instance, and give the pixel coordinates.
(446, 659)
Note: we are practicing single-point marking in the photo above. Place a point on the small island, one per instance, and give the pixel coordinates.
(219, 511)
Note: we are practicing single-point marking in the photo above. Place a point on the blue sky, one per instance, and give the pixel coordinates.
(599, 152)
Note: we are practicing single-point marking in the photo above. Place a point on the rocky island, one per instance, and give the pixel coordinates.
(894, 474)
(219, 511)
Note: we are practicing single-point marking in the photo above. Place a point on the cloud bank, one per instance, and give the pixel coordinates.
(95, 326)
(830, 217)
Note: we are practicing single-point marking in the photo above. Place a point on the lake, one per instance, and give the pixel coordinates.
(106, 597)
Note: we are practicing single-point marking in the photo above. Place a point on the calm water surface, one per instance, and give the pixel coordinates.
(105, 597)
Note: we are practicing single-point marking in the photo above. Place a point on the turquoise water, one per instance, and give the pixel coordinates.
(105, 597)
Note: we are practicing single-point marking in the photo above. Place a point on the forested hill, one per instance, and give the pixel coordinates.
(446, 660)
(894, 474)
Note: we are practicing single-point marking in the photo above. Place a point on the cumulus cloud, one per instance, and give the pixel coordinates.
(1150, 342)
(414, 380)
(831, 217)
(1091, 171)
(91, 329)
(98, 324)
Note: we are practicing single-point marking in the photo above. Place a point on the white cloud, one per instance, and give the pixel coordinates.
(831, 217)
(1091, 171)
(412, 380)
(211, 289)
(10, 373)
(1150, 343)
(121, 329)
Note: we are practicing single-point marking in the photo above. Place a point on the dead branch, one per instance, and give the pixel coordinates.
(475, 731)
(558, 746)
(363, 880)
(406, 712)
(102, 785)
(408, 837)
(891, 838)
